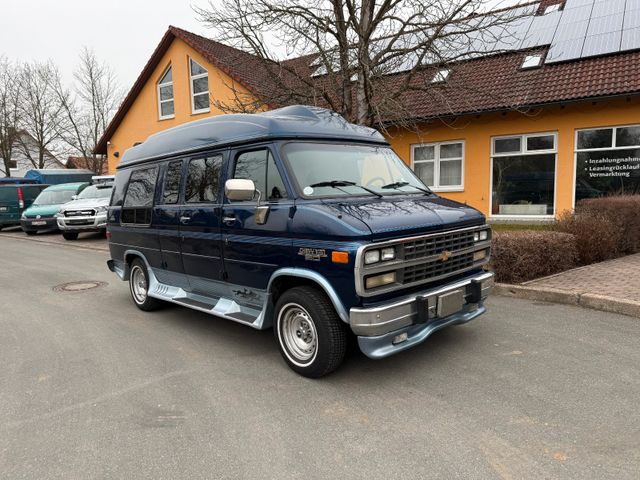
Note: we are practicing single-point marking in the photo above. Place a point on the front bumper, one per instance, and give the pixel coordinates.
(32, 224)
(381, 329)
(83, 224)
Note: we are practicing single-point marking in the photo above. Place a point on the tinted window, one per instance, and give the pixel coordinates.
(142, 185)
(172, 182)
(260, 167)
(120, 186)
(203, 178)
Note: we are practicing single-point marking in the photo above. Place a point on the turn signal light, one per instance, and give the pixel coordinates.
(340, 257)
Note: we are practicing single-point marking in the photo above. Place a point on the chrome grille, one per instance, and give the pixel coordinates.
(79, 213)
(427, 247)
(436, 268)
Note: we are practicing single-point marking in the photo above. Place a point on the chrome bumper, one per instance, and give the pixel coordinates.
(390, 317)
(96, 222)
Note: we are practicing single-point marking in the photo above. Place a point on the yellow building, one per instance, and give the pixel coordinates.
(516, 135)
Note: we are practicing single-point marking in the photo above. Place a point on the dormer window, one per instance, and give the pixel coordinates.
(441, 76)
(199, 79)
(165, 95)
(531, 61)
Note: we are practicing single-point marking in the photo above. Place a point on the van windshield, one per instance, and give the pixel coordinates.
(54, 197)
(325, 169)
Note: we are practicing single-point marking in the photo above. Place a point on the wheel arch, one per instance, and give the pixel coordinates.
(286, 278)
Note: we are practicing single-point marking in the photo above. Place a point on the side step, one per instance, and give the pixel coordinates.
(218, 306)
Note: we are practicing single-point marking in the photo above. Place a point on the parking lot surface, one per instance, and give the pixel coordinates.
(91, 387)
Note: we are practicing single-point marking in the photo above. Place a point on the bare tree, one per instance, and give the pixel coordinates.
(350, 52)
(9, 112)
(88, 107)
(41, 112)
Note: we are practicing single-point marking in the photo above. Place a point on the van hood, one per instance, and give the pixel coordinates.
(43, 210)
(390, 217)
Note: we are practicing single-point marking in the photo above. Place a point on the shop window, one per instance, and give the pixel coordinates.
(607, 162)
(440, 165)
(523, 175)
(199, 79)
(165, 95)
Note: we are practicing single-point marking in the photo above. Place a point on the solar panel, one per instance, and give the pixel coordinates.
(607, 7)
(567, 50)
(632, 19)
(602, 44)
(607, 24)
(631, 39)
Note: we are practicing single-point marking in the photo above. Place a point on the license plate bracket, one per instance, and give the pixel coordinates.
(450, 303)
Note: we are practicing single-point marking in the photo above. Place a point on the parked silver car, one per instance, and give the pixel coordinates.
(87, 212)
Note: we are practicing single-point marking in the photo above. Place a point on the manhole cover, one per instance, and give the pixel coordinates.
(79, 286)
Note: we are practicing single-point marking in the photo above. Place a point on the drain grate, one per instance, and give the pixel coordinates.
(79, 286)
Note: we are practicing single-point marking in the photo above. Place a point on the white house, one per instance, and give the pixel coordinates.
(20, 163)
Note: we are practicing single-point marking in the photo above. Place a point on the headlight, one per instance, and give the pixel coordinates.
(371, 256)
(380, 280)
(101, 209)
(481, 236)
(388, 254)
(24, 216)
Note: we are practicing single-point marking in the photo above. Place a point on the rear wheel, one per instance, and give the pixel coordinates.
(70, 235)
(139, 287)
(311, 337)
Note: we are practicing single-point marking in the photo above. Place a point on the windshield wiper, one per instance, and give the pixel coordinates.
(397, 185)
(344, 183)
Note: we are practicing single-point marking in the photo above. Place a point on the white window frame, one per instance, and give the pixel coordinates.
(172, 99)
(523, 151)
(577, 150)
(192, 78)
(436, 164)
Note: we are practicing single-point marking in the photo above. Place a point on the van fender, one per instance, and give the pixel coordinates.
(315, 277)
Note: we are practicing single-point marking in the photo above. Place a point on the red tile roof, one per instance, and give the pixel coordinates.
(485, 84)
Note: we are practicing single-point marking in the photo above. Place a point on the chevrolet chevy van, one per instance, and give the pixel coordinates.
(297, 220)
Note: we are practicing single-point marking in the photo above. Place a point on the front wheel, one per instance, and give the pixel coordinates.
(139, 287)
(70, 235)
(311, 337)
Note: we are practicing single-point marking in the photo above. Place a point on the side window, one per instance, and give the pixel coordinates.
(139, 197)
(203, 179)
(260, 167)
(172, 178)
(119, 187)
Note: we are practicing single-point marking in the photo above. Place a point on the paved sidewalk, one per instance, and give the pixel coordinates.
(612, 286)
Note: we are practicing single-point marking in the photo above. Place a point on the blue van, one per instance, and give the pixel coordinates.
(296, 219)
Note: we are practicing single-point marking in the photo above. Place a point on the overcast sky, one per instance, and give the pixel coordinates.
(123, 33)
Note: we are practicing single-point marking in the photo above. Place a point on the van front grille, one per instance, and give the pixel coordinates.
(437, 268)
(435, 245)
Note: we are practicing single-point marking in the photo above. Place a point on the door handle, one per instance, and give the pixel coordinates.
(185, 219)
(229, 220)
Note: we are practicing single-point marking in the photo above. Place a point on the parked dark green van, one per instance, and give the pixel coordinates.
(41, 215)
(14, 199)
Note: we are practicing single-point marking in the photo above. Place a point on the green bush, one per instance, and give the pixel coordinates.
(604, 228)
(520, 256)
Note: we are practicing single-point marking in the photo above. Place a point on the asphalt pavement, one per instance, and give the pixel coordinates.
(91, 387)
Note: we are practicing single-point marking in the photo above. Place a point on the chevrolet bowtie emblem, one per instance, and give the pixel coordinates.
(446, 255)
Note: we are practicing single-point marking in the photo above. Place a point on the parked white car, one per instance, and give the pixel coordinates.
(87, 212)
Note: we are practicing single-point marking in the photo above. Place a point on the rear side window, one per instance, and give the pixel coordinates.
(260, 167)
(172, 178)
(203, 179)
(120, 187)
(138, 200)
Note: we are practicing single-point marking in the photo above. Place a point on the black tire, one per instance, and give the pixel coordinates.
(324, 333)
(70, 235)
(142, 300)
(30, 232)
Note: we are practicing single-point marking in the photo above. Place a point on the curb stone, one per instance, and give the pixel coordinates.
(587, 300)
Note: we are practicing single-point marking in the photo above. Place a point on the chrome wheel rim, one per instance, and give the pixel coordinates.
(138, 284)
(298, 333)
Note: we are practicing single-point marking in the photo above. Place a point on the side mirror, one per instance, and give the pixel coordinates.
(74, 197)
(239, 189)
